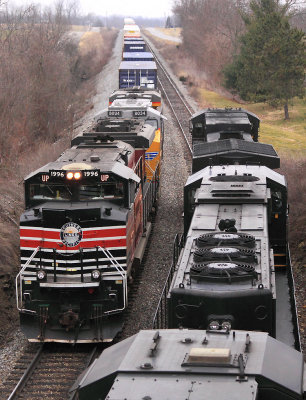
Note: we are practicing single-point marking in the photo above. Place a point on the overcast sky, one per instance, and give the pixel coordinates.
(145, 8)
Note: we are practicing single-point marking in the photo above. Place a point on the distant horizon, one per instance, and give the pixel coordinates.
(133, 8)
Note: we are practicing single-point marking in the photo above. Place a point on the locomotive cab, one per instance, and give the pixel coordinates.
(209, 125)
(138, 92)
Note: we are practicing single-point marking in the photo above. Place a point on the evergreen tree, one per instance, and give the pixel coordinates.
(168, 23)
(272, 61)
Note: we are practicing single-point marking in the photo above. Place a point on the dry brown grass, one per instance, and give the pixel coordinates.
(176, 32)
(294, 171)
(95, 49)
(33, 154)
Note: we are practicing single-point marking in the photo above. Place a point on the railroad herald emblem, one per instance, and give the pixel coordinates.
(71, 234)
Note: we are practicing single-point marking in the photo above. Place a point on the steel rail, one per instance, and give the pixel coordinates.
(73, 393)
(27, 374)
(176, 117)
(188, 108)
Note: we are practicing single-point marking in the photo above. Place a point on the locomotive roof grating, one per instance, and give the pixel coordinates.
(201, 149)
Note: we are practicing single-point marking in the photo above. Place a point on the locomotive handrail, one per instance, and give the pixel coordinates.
(149, 167)
(149, 195)
(19, 308)
(160, 319)
(122, 272)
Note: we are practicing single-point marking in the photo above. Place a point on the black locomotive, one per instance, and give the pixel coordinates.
(234, 262)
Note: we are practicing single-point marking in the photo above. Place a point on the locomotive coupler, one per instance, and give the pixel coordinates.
(69, 320)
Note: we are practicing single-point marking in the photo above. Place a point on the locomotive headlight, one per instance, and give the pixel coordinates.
(95, 275)
(77, 175)
(226, 325)
(213, 325)
(69, 175)
(41, 275)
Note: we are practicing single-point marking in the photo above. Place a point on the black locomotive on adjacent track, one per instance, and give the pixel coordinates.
(234, 261)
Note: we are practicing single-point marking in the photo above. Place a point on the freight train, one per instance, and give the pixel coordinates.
(181, 364)
(233, 268)
(86, 223)
(138, 67)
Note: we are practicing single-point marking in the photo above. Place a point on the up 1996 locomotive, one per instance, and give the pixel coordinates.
(86, 222)
(235, 231)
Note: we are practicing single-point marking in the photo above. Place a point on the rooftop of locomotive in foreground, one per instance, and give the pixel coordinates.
(149, 361)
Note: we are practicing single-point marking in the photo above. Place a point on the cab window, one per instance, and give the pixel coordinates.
(55, 192)
(153, 122)
(107, 190)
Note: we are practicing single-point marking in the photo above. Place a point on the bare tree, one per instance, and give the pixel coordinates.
(210, 30)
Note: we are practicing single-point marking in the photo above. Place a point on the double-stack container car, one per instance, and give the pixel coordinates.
(137, 73)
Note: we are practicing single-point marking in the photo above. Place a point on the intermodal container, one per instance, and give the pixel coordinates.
(138, 73)
(134, 46)
(142, 56)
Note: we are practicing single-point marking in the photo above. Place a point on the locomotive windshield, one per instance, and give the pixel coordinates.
(50, 192)
(152, 122)
(41, 192)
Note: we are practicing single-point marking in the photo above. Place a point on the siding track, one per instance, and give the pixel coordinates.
(48, 371)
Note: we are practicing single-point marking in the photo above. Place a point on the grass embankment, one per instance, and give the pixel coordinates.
(176, 32)
(288, 137)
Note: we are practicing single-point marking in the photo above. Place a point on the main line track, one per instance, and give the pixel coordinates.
(179, 106)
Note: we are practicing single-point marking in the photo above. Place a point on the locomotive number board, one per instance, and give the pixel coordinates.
(55, 175)
(114, 113)
(140, 113)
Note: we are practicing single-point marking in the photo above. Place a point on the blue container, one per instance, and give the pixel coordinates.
(134, 46)
(138, 73)
(142, 56)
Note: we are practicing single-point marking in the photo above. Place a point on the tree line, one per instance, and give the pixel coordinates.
(252, 47)
(44, 89)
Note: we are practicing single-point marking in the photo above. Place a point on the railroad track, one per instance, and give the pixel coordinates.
(48, 371)
(180, 108)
